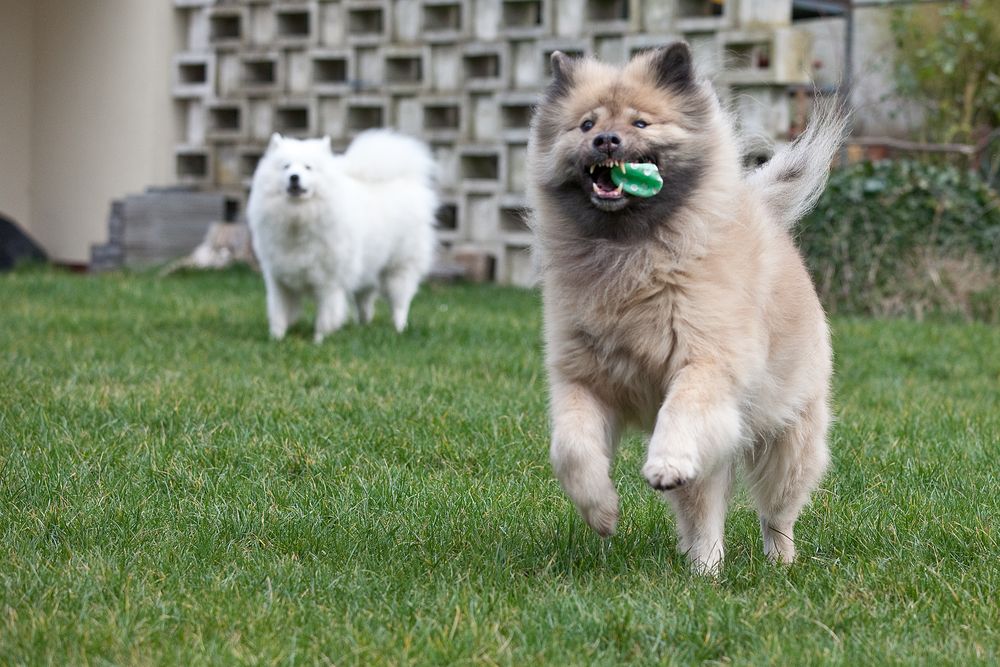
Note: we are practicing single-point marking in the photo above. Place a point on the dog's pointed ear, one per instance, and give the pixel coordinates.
(275, 141)
(673, 67)
(562, 74)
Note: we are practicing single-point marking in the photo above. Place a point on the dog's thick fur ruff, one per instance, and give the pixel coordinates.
(339, 226)
(689, 313)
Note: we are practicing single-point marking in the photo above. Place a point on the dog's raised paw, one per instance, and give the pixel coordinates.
(602, 518)
(666, 474)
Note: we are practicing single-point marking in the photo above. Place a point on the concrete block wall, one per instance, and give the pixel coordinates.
(460, 74)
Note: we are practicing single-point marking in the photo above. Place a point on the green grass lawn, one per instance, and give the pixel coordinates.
(175, 488)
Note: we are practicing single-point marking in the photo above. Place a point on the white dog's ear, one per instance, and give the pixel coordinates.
(276, 140)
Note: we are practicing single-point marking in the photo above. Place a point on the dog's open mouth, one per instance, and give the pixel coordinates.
(295, 190)
(605, 193)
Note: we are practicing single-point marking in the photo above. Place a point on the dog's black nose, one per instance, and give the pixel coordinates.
(607, 141)
(293, 179)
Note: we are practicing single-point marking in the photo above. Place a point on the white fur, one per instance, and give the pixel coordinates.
(361, 223)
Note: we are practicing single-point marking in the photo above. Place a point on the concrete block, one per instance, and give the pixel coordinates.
(228, 27)
(482, 167)
(332, 71)
(485, 66)
(226, 121)
(704, 15)
(525, 19)
(261, 74)
(263, 26)
(295, 118)
(368, 23)
(516, 173)
(369, 66)
(404, 69)
(445, 21)
(332, 23)
(570, 17)
(446, 68)
(196, 125)
(294, 25)
(406, 20)
(194, 75)
(261, 118)
(444, 118)
(332, 120)
(298, 72)
(193, 165)
(515, 115)
(603, 17)
(518, 266)
(484, 117)
(487, 20)
(365, 112)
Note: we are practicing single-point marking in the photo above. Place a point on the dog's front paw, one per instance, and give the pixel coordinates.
(669, 472)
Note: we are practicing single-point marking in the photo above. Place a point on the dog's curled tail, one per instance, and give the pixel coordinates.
(384, 155)
(792, 181)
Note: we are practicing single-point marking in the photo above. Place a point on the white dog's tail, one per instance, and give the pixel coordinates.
(792, 181)
(384, 155)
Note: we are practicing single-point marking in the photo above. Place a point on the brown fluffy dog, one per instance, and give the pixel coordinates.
(688, 313)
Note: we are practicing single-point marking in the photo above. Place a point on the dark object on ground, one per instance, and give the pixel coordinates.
(16, 246)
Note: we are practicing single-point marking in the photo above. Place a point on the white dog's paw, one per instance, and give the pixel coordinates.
(669, 472)
(278, 332)
(602, 516)
(708, 564)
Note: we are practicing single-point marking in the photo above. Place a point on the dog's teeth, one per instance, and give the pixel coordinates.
(596, 189)
(619, 188)
(592, 167)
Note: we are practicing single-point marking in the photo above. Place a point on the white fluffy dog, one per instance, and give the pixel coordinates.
(336, 226)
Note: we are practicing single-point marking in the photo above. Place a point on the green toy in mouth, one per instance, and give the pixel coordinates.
(639, 179)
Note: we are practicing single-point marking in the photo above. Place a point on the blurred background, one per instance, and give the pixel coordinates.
(129, 130)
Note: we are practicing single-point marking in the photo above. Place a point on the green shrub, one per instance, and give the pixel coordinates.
(906, 238)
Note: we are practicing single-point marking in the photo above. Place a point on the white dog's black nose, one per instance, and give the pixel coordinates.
(293, 180)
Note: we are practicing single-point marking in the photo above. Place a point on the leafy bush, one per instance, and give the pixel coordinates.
(948, 62)
(906, 238)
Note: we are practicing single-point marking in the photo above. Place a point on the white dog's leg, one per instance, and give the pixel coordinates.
(331, 311)
(282, 307)
(365, 301)
(781, 474)
(400, 286)
(698, 426)
(584, 436)
(700, 507)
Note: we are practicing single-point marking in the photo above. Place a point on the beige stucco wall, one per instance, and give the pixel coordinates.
(94, 119)
(15, 109)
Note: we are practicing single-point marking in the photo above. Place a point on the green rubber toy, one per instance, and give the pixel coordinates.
(639, 179)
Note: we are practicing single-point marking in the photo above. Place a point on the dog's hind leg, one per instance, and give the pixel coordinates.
(331, 311)
(283, 307)
(400, 286)
(700, 507)
(584, 437)
(365, 301)
(781, 474)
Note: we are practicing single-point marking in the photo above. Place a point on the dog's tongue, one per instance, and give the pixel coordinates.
(639, 179)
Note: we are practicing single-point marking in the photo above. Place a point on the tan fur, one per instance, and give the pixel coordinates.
(705, 332)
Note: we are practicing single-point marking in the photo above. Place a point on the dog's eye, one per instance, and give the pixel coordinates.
(587, 126)
(286, 165)
(640, 124)
(308, 168)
